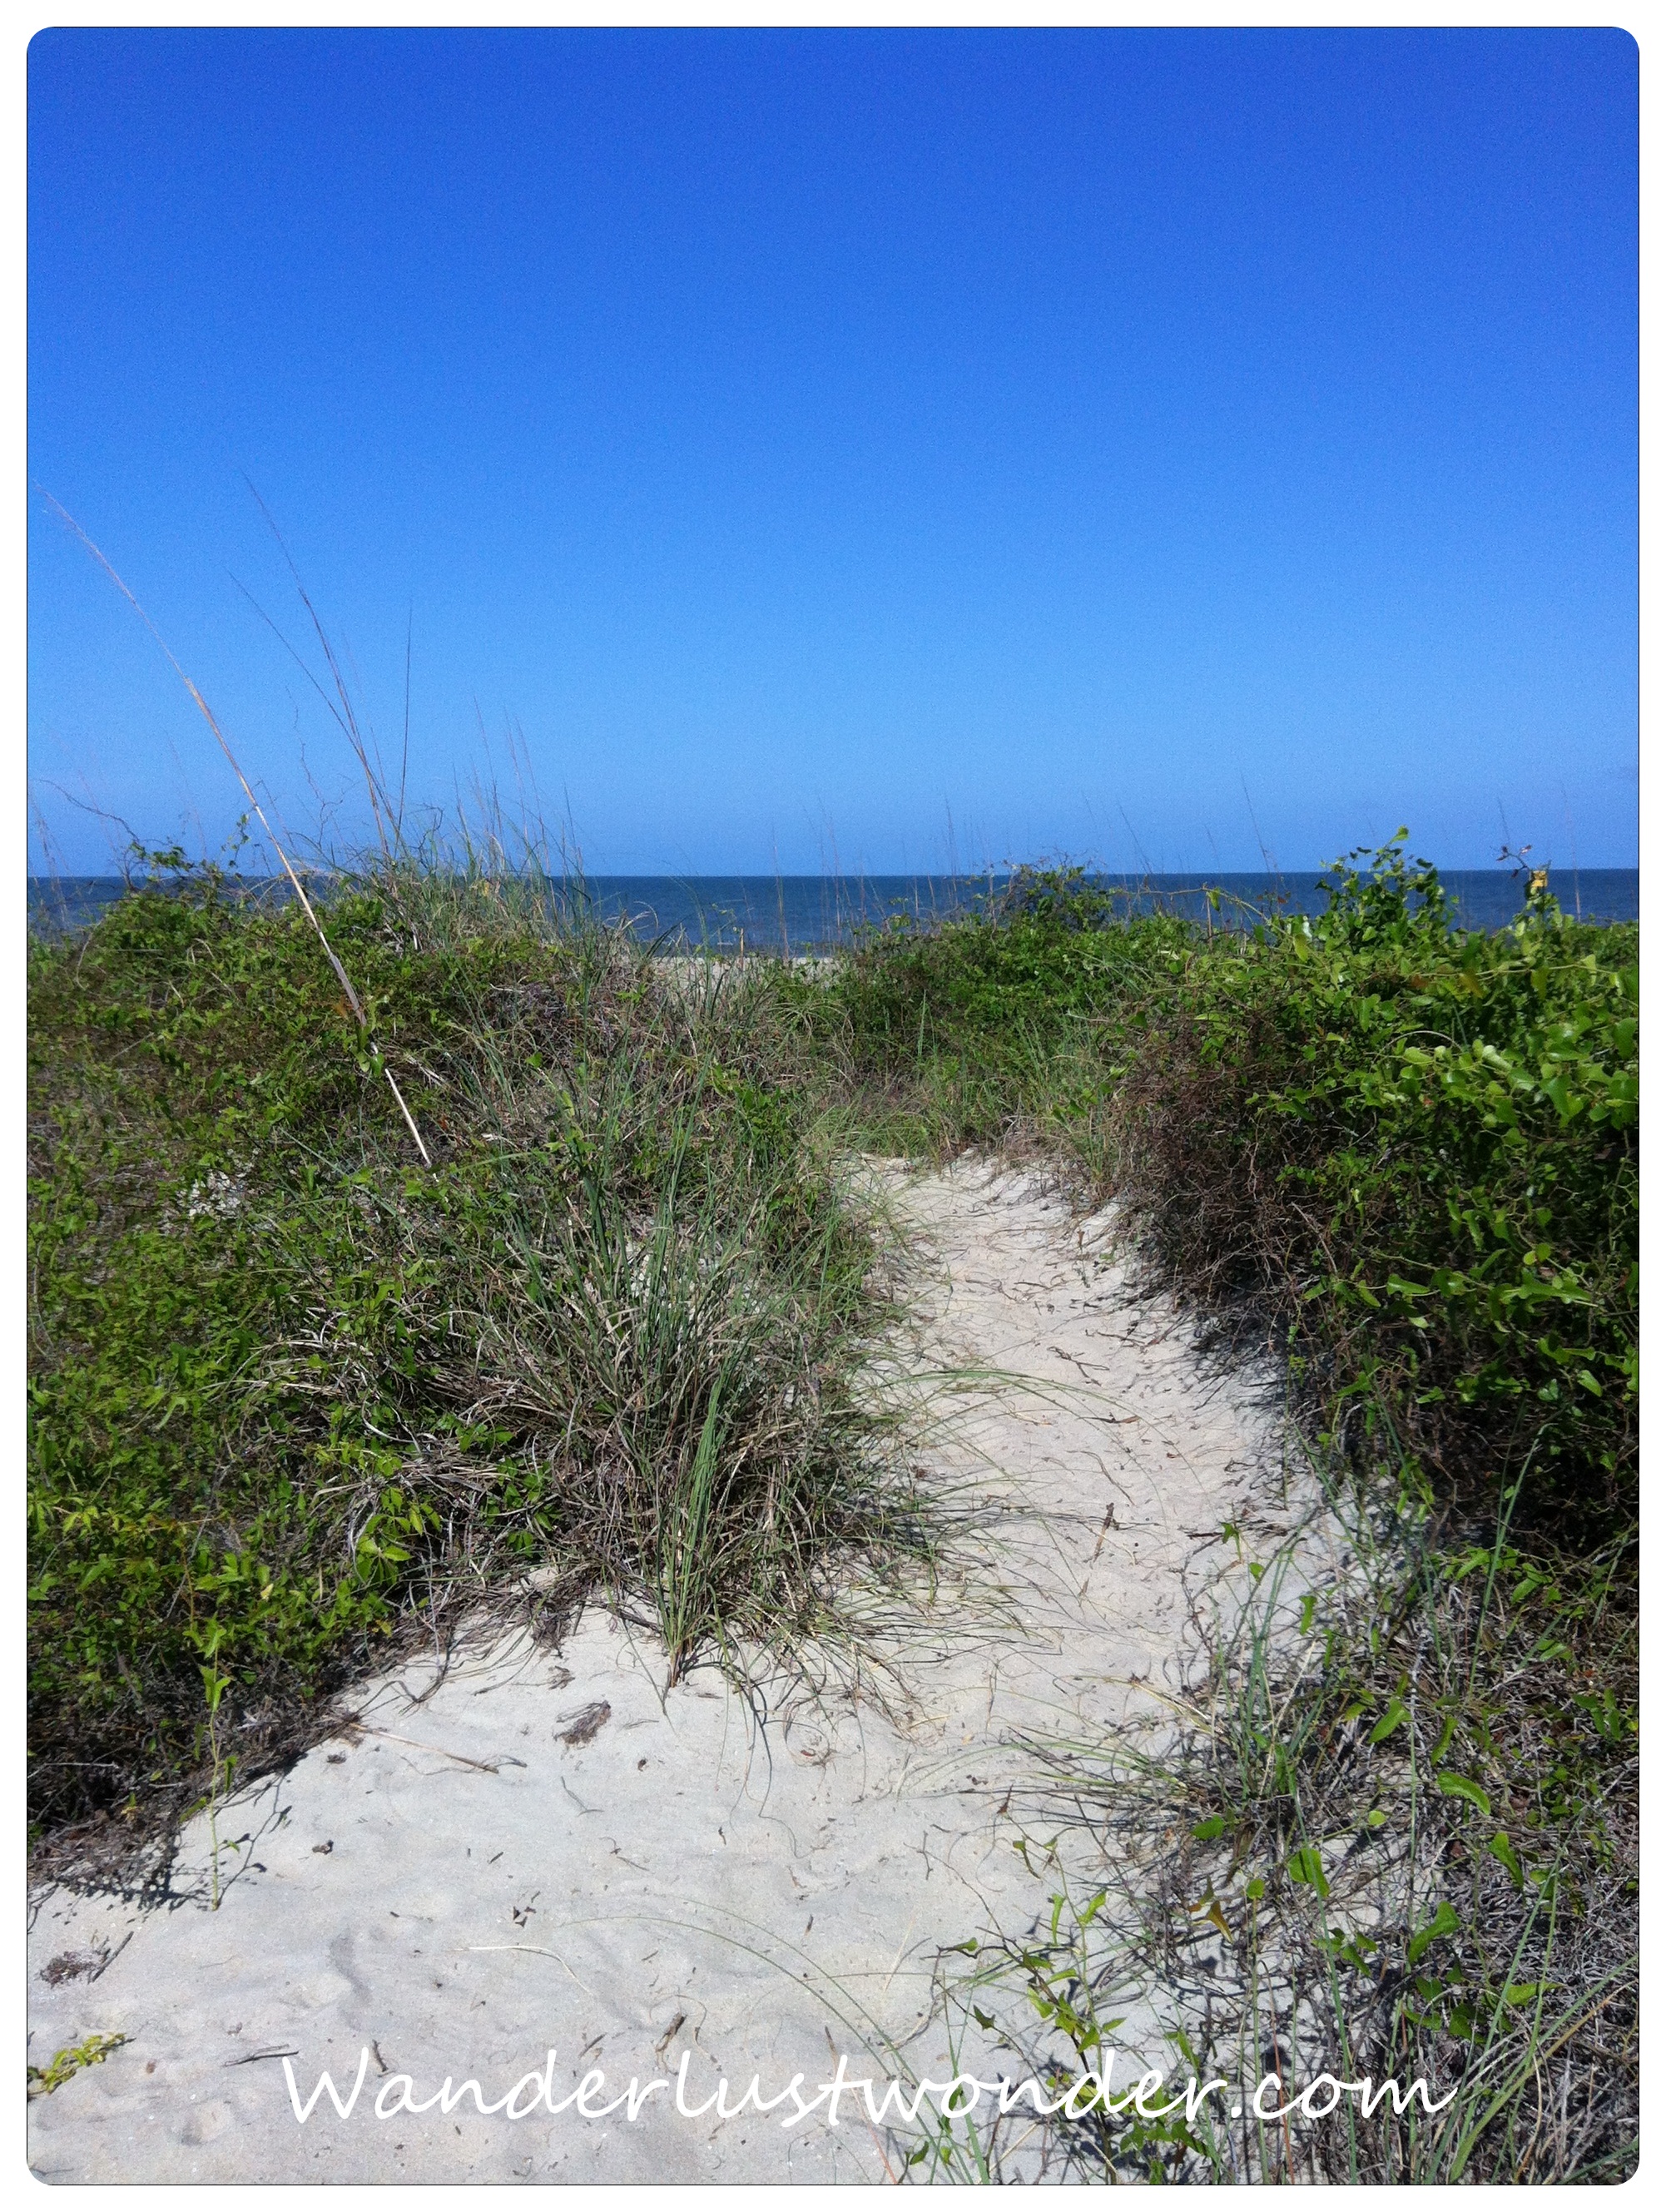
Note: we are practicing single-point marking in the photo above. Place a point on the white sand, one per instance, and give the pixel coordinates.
(458, 1889)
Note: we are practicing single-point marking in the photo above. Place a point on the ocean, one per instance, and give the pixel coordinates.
(807, 914)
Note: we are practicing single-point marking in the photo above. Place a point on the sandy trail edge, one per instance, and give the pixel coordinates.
(490, 1870)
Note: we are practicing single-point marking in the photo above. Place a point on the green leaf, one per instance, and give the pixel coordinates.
(1396, 1716)
(1504, 1851)
(1306, 1866)
(1458, 1785)
(1445, 1923)
(1206, 1831)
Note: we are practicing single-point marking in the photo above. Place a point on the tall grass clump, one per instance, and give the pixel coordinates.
(295, 1390)
(1396, 1826)
(1390, 1835)
(972, 1029)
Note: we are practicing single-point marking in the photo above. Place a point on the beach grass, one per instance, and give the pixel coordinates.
(1402, 1151)
(1399, 1159)
(527, 1269)
(298, 1395)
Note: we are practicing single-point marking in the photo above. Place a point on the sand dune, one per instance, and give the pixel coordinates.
(545, 1853)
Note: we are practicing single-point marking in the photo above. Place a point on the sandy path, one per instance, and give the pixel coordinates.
(539, 1856)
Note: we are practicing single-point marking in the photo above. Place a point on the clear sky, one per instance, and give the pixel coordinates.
(1154, 447)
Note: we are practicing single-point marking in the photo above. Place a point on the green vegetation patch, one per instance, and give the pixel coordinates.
(290, 1387)
(293, 1390)
(1398, 1835)
(1407, 1149)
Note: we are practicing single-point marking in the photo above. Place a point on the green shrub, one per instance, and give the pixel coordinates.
(1402, 1156)
(957, 1032)
(1415, 1147)
(1407, 1149)
(288, 1384)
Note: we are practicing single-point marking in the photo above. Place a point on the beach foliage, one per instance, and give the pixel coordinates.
(298, 1395)
(1394, 1160)
(1403, 1151)
(291, 1390)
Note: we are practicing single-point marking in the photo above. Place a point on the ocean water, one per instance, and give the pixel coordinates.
(804, 914)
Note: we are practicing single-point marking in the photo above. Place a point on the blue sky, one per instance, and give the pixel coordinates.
(1155, 446)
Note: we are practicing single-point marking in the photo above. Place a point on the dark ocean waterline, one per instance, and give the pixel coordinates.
(804, 914)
